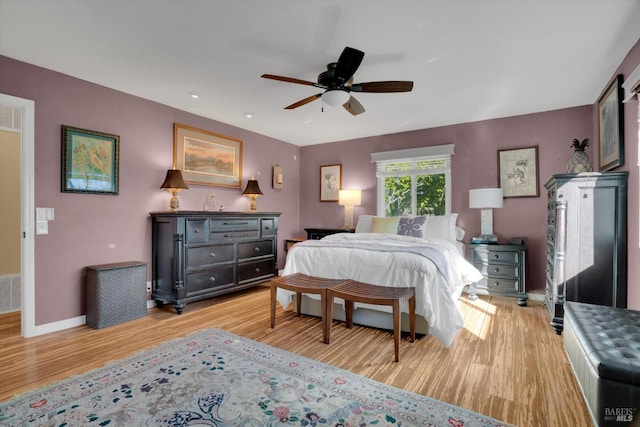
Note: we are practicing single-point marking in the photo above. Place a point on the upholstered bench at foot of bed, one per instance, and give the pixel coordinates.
(603, 347)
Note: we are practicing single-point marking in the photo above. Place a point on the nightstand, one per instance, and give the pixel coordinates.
(502, 268)
(288, 243)
(319, 233)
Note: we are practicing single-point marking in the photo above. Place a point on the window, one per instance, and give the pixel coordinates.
(415, 181)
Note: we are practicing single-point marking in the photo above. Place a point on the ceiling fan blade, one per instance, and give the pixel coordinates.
(383, 87)
(353, 106)
(348, 63)
(303, 102)
(288, 79)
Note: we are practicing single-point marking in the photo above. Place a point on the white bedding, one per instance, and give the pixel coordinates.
(436, 300)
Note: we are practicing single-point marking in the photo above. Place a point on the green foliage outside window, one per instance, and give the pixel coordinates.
(430, 195)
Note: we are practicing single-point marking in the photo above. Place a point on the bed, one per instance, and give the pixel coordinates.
(424, 252)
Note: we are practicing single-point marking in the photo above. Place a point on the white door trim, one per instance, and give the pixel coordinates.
(27, 178)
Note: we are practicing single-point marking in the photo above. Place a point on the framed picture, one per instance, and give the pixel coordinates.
(90, 161)
(518, 172)
(611, 126)
(330, 182)
(207, 158)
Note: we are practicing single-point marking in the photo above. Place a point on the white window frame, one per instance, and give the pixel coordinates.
(436, 152)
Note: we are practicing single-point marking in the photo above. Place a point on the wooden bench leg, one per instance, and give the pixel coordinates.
(348, 313)
(412, 317)
(327, 319)
(396, 328)
(298, 303)
(273, 304)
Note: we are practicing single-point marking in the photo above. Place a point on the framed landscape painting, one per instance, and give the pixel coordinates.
(518, 172)
(207, 158)
(90, 161)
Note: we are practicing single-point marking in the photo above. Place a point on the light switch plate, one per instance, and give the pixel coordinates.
(42, 227)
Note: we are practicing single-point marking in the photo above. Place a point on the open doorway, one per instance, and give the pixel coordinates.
(17, 122)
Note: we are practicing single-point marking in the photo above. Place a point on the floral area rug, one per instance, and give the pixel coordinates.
(215, 378)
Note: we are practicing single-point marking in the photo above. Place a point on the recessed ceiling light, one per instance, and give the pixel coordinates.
(194, 95)
(248, 115)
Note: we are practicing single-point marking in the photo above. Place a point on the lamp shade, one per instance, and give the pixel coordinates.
(350, 197)
(174, 180)
(252, 189)
(335, 97)
(485, 198)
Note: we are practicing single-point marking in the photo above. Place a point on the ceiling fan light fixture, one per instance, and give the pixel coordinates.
(335, 97)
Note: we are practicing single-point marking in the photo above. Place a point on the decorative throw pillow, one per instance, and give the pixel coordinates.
(412, 226)
(384, 225)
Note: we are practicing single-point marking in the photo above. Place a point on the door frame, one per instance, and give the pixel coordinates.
(27, 211)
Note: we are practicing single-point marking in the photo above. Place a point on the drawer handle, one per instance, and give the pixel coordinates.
(257, 270)
(237, 235)
(212, 255)
(496, 256)
(496, 270)
(196, 230)
(267, 227)
(236, 223)
(256, 249)
(496, 284)
(212, 279)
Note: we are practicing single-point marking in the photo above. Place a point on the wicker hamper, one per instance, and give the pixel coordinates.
(115, 293)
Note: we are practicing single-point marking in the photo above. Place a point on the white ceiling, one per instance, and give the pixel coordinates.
(470, 60)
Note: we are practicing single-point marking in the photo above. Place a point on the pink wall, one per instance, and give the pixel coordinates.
(474, 165)
(97, 229)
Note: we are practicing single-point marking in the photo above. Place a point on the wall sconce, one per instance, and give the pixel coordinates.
(486, 199)
(253, 191)
(349, 199)
(174, 183)
(278, 177)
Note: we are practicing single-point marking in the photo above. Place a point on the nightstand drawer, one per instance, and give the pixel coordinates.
(501, 284)
(502, 270)
(498, 256)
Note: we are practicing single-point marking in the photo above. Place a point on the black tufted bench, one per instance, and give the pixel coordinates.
(603, 346)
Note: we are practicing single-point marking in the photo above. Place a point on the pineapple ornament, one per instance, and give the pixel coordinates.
(579, 161)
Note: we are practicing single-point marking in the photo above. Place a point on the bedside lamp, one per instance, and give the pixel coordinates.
(174, 183)
(486, 199)
(349, 199)
(253, 191)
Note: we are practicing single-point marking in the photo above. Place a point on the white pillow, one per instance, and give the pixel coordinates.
(441, 227)
(364, 224)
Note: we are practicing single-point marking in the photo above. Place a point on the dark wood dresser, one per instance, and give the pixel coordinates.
(201, 254)
(586, 241)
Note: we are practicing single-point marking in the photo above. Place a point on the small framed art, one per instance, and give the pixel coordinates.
(611, 126)
(90, 161)
(518, 172)
(207, 158)
(330, 182)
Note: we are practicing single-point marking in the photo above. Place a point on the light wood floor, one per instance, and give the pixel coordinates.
(506, 363)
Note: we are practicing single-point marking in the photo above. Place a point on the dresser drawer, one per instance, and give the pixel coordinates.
(502, 270)
(220, 225)
(209, 280)
(197, 231)
(217, 236)
(255, 249)
(254, 270)
(268, 227)
(208, 255)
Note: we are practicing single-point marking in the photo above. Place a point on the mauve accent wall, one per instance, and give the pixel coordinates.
(98, 229)
(474, 165)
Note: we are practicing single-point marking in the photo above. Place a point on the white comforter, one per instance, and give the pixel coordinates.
(436, 299)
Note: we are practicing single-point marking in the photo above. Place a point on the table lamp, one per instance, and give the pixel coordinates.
(485, 199)
(252, 190)
(173, 182)
(349, 199)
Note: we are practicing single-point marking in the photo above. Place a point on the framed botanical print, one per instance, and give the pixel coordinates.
(90, 161)
(518, 172)
(330, 182)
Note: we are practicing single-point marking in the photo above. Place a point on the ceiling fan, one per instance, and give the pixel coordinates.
(338, 83)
